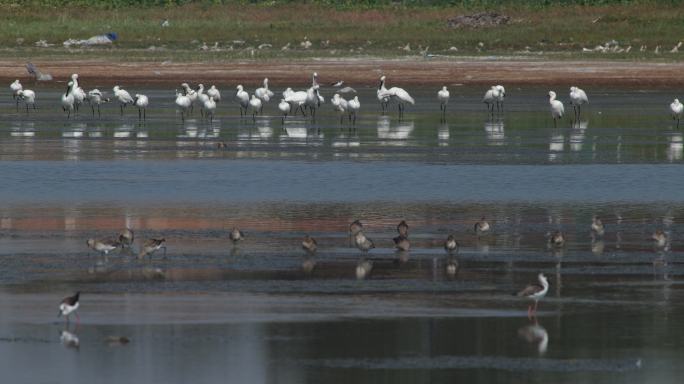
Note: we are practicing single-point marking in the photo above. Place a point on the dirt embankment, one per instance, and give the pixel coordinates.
(364, 72)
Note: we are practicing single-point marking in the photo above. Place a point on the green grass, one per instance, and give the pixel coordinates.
(376, 29)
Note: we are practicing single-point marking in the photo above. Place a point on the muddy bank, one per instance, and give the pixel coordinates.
(365, 72)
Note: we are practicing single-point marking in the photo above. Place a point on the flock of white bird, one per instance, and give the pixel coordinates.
(291, 102)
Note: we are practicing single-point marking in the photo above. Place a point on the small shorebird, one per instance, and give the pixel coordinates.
(660, 238)
(355, 227)
(104, 246)
(264, 94)
(597, 229)
(309, 244)
(402, 243)
(150, 246)
(556, 107)
(556, 239)
(482, 227)
(236, 235)
(535, 292)
(362, 242)
(363, 269)
(69, 305)
(402, 228)
(126, 237)
(451, 245)
(676, 108)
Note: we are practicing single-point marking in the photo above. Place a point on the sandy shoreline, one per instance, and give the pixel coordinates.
(365, 72)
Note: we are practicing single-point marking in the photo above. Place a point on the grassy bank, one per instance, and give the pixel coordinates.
(293, 29)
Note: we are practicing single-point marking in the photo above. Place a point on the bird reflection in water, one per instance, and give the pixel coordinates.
(69, 339)
(536, 335)
(363, 268)
(494, 129)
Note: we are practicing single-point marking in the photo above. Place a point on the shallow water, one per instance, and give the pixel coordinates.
(263, 311)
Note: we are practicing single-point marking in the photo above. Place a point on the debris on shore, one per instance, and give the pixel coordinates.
(478, 20)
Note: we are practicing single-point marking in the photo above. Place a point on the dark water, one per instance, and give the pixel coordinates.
(264, 311)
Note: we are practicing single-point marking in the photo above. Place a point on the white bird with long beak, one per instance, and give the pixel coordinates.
(340, 105)
(255, 104)
(96, 98)
(28, 97)
(354, 107)
(443, 97)
(264, 94)
(191, 94)
(556, 107)
(215, 93)
(68, 100)
(676, 108)
(142, 101)
(500, 97)
(123, 96)
(383, 99)
(491, 98)
(397, 94)
(284, 107)
(209, 108)
(16, 87)
(577, 98)
(183, 103)
(242, 98)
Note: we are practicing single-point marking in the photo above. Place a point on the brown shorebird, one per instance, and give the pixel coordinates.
(482, 227)
(126, 238)
(354, 228)
(236, 235)
(104, 246)
(557, 239)
(362, 242)
(402, 243)
(535, 292)
(309, 244)
(660, 238)
(151, 246)
(402, 229)
(451, 245)
(597, 229)
(69, 305)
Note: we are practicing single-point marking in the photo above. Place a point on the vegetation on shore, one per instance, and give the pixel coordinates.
(216, 30)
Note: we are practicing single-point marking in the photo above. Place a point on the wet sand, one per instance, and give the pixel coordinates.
(366, 71)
